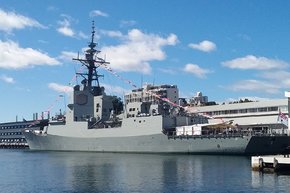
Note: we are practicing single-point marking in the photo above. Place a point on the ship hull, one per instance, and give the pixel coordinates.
(159, 143)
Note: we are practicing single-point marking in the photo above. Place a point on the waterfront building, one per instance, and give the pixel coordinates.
(11, 133)
(150, 93)
(260, 115)
(198, 99)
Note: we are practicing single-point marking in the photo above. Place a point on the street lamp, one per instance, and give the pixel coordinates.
(64, 102)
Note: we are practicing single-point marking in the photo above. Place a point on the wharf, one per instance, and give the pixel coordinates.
(271, 163)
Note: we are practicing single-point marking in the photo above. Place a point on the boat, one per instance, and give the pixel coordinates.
(149, 120)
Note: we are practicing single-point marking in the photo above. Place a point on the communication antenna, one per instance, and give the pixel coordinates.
(91, 62)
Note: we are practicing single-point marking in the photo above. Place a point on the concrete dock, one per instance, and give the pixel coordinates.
(271, 163)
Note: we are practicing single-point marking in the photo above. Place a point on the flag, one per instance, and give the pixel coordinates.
(282, 118)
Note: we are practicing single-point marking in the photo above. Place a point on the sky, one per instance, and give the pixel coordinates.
(225, 49)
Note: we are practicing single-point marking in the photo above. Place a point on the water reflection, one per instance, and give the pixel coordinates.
(276, 182)
(155, 173)
(26, 171)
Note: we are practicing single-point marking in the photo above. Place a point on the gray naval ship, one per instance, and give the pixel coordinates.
(147, 121)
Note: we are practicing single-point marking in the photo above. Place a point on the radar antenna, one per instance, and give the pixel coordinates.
(91, 62)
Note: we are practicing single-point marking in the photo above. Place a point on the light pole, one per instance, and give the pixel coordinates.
(64, 102)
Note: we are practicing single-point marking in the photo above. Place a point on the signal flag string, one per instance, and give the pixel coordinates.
(51, 106)
(151, 93)
(105, 66)
(134, 85)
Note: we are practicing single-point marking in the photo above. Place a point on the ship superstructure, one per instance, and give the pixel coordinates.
(149, 121)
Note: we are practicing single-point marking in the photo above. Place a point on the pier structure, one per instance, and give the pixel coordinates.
(271, 163)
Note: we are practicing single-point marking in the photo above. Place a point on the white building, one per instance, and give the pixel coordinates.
(198, 99)
(260, 114)
(150, 93)
(145, 100)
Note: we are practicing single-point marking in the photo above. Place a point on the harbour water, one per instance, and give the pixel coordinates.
(24, 171)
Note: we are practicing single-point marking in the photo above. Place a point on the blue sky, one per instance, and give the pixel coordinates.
(225, 49)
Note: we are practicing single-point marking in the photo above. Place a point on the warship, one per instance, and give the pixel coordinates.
(148, 120)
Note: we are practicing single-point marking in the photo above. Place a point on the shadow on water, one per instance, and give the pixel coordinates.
(32, 171)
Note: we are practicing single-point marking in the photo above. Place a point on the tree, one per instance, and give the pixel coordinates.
(117, 105)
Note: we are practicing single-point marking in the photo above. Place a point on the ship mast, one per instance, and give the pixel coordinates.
(92, 62)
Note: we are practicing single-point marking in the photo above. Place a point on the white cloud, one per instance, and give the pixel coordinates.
(196, 70)
(96, 13)
(117, 90)
(255, 86)
(127, 23)
(14, 57)
(83, 35)
(52, 8)
(43, 41)
(68, 56)
(11, 20)
(276, 75)
(256, 63)
(137, 50)
(168, 70)
(65, 29)
(112, 33)
(7, 79)
(60, 88)
(205, 46)
(281, 78)
(273, 82)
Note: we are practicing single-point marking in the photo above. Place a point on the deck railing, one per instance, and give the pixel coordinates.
(237, 134)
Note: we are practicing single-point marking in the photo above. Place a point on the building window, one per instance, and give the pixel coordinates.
(272, 108)
(253, 110)
(243, 111)
(264, 109)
